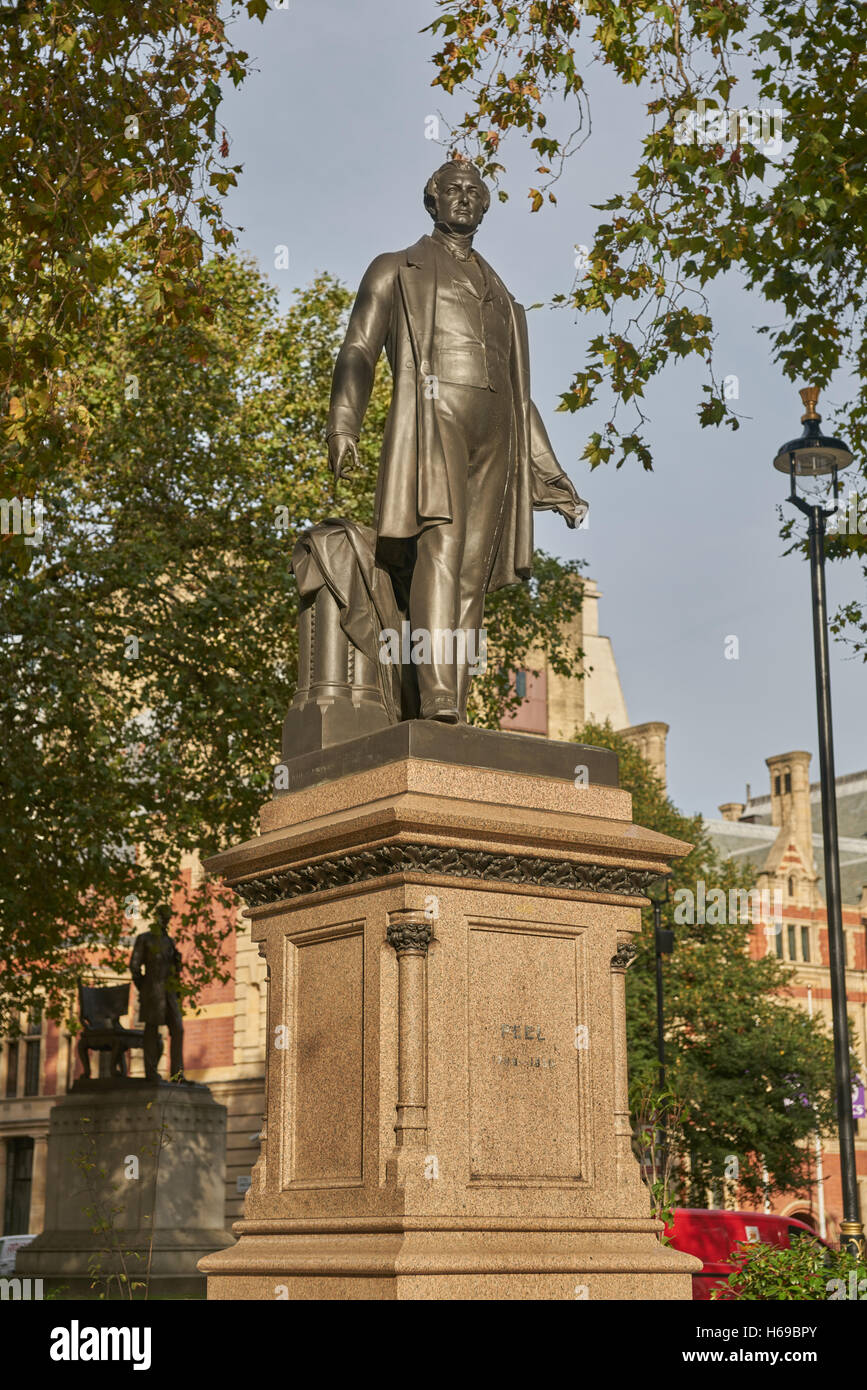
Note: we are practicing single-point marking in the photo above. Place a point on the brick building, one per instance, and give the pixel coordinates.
(778, 835)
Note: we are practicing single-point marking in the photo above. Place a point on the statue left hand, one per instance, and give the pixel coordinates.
(573, 508)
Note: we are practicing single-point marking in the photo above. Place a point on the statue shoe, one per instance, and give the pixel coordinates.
(444, 714)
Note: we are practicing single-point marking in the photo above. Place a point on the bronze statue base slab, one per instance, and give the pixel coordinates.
(100, 1085)
(461, 744)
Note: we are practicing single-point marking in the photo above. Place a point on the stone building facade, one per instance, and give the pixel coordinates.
(555, 706)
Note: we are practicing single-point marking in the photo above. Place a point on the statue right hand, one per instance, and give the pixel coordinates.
(342, 455)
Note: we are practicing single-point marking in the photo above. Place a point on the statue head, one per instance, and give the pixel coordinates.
(162, 917)
(456, 197)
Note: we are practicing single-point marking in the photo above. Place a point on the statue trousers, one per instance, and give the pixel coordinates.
(153, 1044)
(453, 560)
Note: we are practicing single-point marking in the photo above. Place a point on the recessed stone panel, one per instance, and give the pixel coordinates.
(329, 1061)
(524, 1065)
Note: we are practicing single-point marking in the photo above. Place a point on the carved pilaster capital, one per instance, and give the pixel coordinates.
(409, 929)
(623, 956)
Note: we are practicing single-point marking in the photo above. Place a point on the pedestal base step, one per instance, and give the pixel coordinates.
(450, 1264)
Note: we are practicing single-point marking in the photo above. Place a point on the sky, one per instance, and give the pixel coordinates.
(333, 130)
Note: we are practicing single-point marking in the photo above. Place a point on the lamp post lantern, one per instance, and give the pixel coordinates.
(815, 455)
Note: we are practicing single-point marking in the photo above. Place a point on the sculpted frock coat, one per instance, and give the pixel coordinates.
(395, 308)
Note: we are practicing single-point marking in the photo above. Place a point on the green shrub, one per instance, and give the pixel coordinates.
(807, 1271)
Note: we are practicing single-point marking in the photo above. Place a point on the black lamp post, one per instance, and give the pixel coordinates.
(815, 455)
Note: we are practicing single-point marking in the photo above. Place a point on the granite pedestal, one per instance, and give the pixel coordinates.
(135, 1186)
(447, 925)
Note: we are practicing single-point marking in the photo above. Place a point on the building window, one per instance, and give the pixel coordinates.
(12, 1073)
(805, 943)
(776, 786)
(521, 684)
(793, 954)
(778, 940)
(31, 1067)
(791, 887)
(19, 1181)
(788, 783)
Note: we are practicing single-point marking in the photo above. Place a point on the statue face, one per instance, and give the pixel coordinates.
(460, 201)
(162, 918)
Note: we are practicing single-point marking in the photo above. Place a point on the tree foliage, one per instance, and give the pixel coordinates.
(741, 1055)
(805, 1272)
(714, 191)
(110, 150)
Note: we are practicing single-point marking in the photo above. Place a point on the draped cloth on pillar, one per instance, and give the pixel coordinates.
(340, 555)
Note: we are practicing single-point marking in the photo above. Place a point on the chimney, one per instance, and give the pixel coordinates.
(732, 810)
(590, 608)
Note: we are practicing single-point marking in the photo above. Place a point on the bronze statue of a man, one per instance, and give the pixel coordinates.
(465, 457)
(155, 964)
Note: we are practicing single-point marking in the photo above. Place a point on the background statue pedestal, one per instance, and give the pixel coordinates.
(447, 938)
(178, 1199)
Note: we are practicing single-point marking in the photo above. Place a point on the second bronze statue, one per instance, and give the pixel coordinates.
(465, 456)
